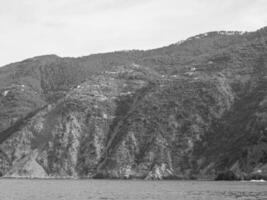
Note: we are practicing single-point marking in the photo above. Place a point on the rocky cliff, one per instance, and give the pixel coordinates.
(194, 109)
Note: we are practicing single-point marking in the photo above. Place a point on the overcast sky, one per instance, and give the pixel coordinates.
(80, 27)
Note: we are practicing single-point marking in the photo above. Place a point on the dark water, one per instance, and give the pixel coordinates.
(12, 189)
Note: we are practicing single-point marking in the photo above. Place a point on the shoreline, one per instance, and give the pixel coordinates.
(131, 179)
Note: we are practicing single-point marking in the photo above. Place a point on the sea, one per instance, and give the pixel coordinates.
(26, 189)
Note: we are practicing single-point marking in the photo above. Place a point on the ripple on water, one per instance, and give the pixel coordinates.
(129, 190)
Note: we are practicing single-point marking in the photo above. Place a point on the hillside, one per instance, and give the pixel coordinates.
(194, 109)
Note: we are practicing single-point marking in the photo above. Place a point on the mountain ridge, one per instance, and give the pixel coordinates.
(222, 32)
(196, 109)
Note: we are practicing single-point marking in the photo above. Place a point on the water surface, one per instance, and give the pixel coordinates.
(18, 189)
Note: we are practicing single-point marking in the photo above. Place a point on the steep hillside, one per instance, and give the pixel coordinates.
(194, 109)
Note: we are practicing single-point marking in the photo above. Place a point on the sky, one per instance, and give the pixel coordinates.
(75, 28)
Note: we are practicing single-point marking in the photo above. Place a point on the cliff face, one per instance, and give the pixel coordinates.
(195, 109)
